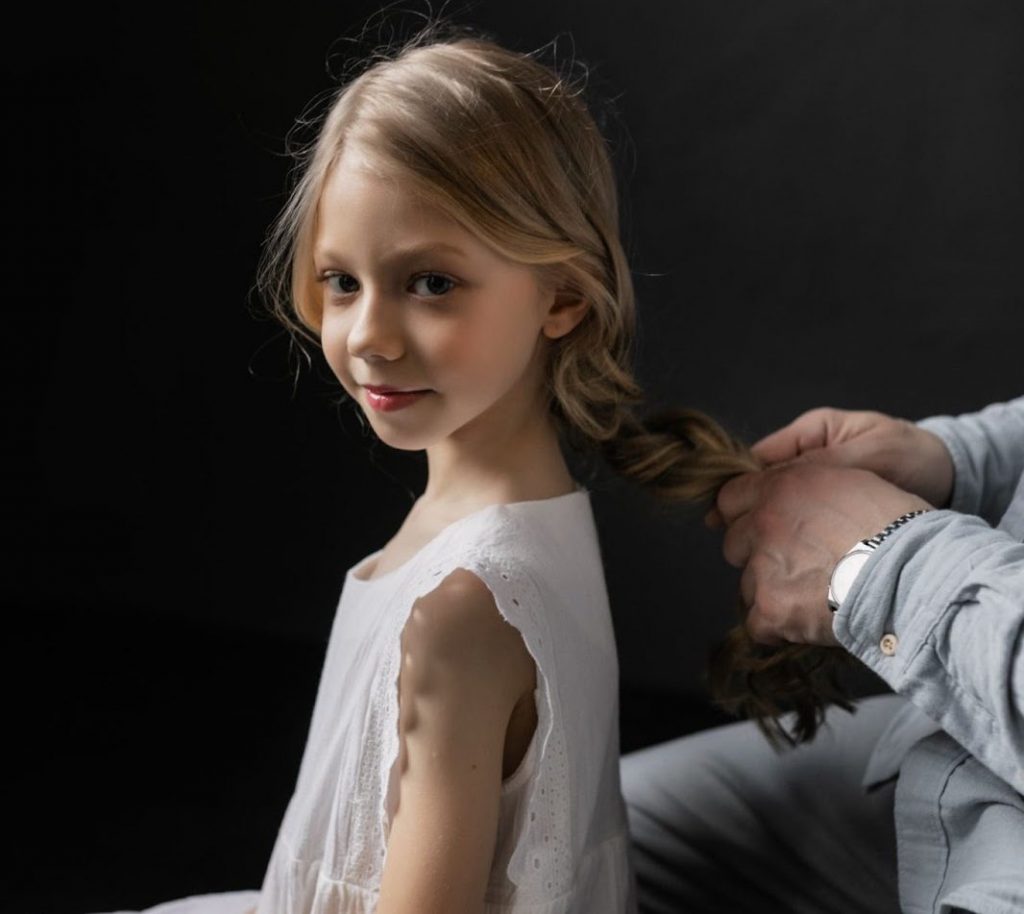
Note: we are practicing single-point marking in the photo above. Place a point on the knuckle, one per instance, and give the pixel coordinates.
(750, 582)
(820, 414)
(768, 603)
(747, 590)
(758, 627)
(722, 498)
(729, 552)
(729, 499)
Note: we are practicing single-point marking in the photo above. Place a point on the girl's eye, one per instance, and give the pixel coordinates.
(341, 283)
(432, 284)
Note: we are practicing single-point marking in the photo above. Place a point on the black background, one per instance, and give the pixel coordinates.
(822, 202)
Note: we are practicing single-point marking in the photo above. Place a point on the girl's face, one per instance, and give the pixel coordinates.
(414, 303)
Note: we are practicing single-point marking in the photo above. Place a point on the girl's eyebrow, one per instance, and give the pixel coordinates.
(429, 247)
(399, 254)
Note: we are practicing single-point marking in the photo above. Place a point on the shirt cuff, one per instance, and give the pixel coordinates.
(903, 590)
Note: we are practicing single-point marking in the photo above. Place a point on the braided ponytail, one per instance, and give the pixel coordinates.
(684, 456)
(681, 455)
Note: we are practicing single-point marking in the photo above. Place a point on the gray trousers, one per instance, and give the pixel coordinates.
(722, 823)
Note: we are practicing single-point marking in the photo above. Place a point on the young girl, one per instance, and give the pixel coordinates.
(453, 246)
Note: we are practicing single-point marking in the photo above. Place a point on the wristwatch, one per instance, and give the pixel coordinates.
(851, 563)
(846, 571)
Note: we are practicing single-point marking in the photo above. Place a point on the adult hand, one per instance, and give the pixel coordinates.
(786, 527)
(909, 457)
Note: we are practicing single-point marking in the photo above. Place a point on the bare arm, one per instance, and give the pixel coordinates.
(464, 668)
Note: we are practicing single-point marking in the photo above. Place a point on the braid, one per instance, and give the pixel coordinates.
(685, 456)
(681, 454)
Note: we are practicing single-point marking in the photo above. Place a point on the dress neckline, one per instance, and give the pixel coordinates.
(350, 576)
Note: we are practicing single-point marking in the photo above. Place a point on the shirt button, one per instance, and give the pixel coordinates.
(888, 644)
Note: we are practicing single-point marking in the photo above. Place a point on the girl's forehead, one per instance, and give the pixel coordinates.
(354, 179)
(365, 214)
(356, 200)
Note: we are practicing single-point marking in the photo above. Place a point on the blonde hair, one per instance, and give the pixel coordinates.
(508, 148)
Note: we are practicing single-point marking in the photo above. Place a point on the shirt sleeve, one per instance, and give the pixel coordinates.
(987, 448)
(938, 613)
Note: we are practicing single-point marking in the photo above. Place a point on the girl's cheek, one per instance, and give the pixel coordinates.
(333, 341)
(454, 347)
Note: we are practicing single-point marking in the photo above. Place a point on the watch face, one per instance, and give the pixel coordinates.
(846, 572)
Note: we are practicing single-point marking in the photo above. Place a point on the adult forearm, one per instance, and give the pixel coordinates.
(987, 448)
(938, 613)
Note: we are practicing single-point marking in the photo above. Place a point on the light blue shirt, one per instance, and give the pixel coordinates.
(938, 613)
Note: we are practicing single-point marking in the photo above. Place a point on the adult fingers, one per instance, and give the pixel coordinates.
(760, 628)
(739, 495)
(756, 592)
(713, 519)
(748, 585)
(808, 431)
(867, 452)
(738, 543)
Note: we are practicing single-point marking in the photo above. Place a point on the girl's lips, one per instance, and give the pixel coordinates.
(386, 401)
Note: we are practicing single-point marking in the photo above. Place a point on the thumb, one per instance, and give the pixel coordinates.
(808, 432)
(847, 454)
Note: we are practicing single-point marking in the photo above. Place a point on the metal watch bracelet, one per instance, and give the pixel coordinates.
(876, 540)
(838, 587)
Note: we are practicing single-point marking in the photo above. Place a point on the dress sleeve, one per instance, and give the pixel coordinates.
(540, 865)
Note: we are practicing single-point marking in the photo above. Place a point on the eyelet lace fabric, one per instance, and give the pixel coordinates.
(562, 845)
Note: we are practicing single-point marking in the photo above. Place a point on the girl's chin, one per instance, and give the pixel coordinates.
(404, 444)
(407, 439)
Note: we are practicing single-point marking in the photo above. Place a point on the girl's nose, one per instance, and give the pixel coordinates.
(376, 333)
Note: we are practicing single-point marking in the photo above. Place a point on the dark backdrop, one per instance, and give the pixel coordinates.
(822, 202)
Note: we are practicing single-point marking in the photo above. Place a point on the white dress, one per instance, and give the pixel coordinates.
(563, 844)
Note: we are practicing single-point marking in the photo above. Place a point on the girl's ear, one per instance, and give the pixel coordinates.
(567, 309)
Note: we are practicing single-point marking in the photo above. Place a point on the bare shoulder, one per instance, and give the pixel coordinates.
(457, 631)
